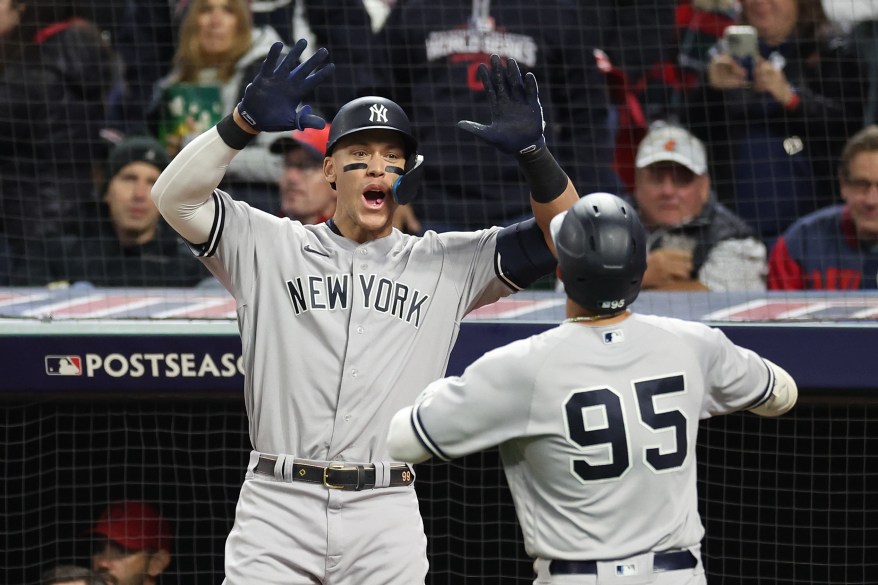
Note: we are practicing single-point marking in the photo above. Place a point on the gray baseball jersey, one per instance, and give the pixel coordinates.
(597, 429)
(337, 336)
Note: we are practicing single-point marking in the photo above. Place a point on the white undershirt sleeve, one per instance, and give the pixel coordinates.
(402, 442)
(183, 191)
(783, 396)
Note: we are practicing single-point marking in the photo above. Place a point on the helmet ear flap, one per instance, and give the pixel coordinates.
(405, 188)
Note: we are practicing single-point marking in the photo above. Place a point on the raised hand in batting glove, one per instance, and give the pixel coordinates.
(516, 114)
(271, 100)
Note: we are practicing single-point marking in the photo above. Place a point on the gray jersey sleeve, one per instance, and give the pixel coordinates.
(230, 252)
(489, 404)
(735, 377)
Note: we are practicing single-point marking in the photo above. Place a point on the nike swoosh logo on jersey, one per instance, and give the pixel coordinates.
(308, 248)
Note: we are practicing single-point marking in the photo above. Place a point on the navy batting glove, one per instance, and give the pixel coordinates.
(516, 114)
(271, 100)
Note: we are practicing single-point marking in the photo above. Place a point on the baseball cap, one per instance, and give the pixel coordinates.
(667, 142)
(136, 149)
(134, 525)
(311, 139)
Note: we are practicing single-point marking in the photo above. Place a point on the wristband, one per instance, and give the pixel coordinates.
(543, 174)
(232, 134)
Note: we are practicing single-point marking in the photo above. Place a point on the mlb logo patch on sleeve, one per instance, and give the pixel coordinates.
(63, 365)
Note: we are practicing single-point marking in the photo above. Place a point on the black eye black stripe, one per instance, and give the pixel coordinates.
(387, 169)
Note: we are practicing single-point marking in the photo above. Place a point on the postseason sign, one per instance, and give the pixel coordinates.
(94, 363)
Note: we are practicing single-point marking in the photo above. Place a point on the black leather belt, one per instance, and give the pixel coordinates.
(668, 561)
(339, 476)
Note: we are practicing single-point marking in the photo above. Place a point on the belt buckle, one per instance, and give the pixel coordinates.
(326, 469)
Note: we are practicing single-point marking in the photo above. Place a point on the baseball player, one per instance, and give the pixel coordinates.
(341, 323)
(597, 418)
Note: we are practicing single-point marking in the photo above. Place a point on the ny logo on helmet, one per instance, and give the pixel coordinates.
(378, 113)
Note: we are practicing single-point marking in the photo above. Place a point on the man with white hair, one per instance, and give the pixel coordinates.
(694, 243)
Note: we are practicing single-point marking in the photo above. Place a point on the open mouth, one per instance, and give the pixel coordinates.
(374, 198)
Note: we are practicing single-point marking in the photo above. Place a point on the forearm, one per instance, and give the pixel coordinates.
(183, 191)
(552, 192)
(783, 396)
(402, 442)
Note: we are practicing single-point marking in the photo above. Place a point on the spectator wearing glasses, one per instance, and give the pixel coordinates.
(836, 247)
(132, 544)
(694, 242)
(305, 195)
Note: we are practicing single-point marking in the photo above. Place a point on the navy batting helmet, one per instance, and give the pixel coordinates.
(601, 247)
(371, 113)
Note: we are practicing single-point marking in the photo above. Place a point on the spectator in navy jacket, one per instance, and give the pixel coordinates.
(775, 125)
(836, 247)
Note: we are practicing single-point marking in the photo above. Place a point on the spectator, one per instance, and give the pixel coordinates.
(433, 50)
(345, 27)
(131, 544)
(836, 247)
(69, 574)
(305, 195)
(218, 53)
(775, 128)
(10, 18)
(694, 242)
(130, 245)
(143, 33)
(55, 77)
(649, 79)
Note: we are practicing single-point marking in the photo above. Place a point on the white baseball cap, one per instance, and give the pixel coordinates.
(666, 142)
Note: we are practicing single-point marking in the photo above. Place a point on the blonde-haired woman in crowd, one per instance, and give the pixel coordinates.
(218, 52)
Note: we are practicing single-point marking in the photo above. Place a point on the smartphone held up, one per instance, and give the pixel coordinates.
(742, 44)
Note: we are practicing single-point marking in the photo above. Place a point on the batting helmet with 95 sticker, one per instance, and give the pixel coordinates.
(601, 247)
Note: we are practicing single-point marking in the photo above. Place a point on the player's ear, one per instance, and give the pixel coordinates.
(329, 172)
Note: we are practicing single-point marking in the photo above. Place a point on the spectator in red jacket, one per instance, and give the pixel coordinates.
(836, 247)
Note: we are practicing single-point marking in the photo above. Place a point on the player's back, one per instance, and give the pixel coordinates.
(606, 466)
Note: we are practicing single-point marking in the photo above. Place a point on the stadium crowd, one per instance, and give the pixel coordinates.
(750, 152)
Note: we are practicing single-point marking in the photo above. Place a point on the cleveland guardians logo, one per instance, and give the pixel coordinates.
(63, 365)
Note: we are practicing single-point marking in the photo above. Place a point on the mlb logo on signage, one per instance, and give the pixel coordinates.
(63, 365)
